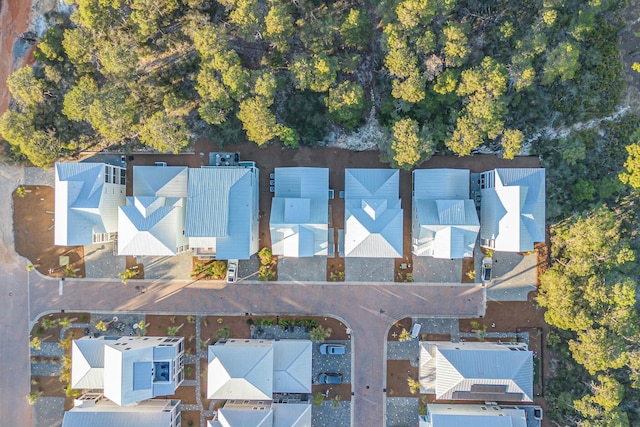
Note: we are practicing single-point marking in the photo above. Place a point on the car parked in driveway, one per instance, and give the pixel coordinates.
(487, 267)
(232, 270)
(330, 378)
(334, 349)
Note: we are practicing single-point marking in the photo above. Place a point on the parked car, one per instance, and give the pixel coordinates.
(232, 270)
(330, 378)
(487, 267)
(336, 349)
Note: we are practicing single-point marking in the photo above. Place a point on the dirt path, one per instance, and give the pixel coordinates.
(14, 20)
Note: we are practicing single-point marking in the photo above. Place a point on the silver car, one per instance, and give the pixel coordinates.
(232, 270)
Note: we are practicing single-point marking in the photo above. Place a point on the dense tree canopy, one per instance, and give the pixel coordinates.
(469, 75)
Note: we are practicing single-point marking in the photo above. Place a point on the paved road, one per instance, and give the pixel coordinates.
(368, 309)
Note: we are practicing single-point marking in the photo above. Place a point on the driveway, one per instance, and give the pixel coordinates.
(514, 276)
(368, 309)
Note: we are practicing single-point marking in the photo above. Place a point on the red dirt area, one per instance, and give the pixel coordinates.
(186, 327)
(396, 329)
(398, 372)
(33, 230)
(47, 328)
(190, 418)
(14, 20)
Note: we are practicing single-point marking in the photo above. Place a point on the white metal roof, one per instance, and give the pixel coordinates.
(222, 203)
(164, 181)
(292, 366)
(513, 211)
(445, 222)
(457, 367)
(291, 414)
(240, 371)
(84, 203)
(441, 184)
(151, 226)
(444, 228)
(373, 214)
(87, 367)
(255, 369)
(456, 415)
(245, 417)
(149, 413)
(299, 212)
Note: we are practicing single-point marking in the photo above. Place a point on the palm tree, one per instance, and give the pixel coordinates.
(33, 397)
(319, 334)
(49, 322)
(405, 335)
(127, 274)
(173, 330)
(66, 322)
(35, 343)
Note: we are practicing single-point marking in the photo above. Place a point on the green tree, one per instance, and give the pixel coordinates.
(258, 120)
(562, 62)
(165, 133)
(355, 29)
(279, 26)
(25, 88)
(319, 333)
(346, 104)
(113, 114)
(79, 98)
(631, 174)
(598, 350)
(455, 44)
(317, 73)
(408, 148)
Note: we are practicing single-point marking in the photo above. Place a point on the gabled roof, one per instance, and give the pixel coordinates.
(373, 214)
(245, 417)
(82, 208)
(513, 210)
(292, 366)
(445, 221)
(441, 184)
(255, 369)
(477, 371)
(445, 228)
(222, 205)
(291, 414)
(165, 181)
(87, 369)
(475, 416)
(240, 372)
(371, 183)
(150, 413)
(151, 226)
(299, 212)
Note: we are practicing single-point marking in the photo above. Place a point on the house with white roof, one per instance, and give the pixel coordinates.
(372, 214)
(222, 211)
(251, 374)
(93, 410)
(444, 219)
(87, 196)
(482, 371)
(153, 221)
(456, 415)
(512, 209)
(128, 369)
(300, 212)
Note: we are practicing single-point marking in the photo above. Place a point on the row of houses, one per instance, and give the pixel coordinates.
(268, 383)
(214, 211)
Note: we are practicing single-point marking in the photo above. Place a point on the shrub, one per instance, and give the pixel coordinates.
(265, 256)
